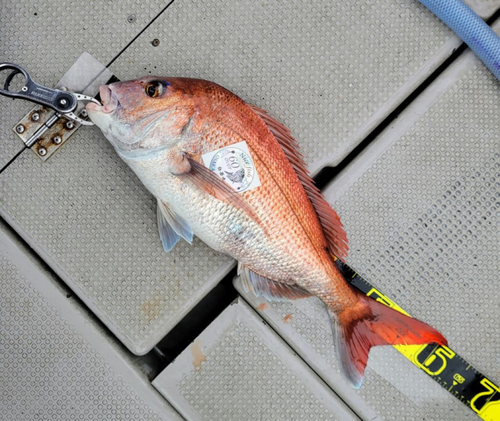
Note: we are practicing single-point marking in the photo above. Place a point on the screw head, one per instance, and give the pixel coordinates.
(20, 128)
(63, 101)
(35, 117)
(57, 139)
(131, 19)
(84, 113)
(42, 151)
(155, 42)
(70, 125)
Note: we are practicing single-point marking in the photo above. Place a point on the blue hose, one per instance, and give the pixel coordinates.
(471, 28)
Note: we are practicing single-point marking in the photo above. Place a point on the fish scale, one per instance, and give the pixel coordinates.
(280, 260)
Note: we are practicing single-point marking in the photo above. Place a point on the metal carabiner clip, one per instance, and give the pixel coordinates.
(63, 102)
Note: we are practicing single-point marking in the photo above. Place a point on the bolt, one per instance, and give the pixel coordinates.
(131, 19)
(42, 151)
(20, 128)
(155, 42)
(70, 125)
(57, 139)
(83, 113)
(63, 102)
(35, 117)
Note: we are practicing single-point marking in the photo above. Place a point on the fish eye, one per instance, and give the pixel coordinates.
(155, 88)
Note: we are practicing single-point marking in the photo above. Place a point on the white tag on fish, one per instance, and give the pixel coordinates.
(234, 165)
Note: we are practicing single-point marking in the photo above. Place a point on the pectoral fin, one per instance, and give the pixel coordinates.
(210, 182)
(171, 227)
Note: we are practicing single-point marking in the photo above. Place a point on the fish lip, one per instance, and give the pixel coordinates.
(109, 101)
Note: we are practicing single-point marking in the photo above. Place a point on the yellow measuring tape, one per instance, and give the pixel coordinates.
(444, 365)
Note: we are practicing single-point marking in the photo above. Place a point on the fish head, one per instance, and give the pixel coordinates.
(145, 116)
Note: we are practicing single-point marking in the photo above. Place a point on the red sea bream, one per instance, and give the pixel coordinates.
(230, 174)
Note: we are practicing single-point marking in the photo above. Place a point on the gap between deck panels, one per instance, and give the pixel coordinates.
(23, 149)
(327, 174)
(209, 308)
(151, 363)
(324, 177)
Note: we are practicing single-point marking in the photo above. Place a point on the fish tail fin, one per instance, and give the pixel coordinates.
(369, 323)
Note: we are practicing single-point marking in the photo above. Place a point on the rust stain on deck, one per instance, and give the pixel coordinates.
(287, 318)
(263, 307)
(151, 309)
(198, 355)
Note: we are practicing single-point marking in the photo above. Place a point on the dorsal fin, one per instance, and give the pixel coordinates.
(330, 221)
(270, 290)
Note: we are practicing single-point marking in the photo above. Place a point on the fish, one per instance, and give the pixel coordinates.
(230, 174)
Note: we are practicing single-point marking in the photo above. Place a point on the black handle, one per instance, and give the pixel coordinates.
(60, 101)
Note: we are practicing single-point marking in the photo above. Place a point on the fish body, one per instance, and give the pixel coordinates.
(282, 232)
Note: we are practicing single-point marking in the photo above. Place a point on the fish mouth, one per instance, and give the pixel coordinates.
(109, 101)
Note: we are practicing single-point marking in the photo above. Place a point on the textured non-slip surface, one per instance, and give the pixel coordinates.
(328, 70)
(423, 217)
(86, 213)
(46, 38)
(420, 207)
(238, 369)
(393, 388)
(55, 364)
(89, 216)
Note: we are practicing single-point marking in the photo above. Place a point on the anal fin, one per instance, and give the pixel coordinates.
(270, 290)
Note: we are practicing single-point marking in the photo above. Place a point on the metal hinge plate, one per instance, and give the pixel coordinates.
(53, 138)
(85, 76)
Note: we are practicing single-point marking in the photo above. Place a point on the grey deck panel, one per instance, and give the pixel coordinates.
(47, 37)
(83, 210)
(88, 216)
(56, 363)
(239, 369)
(85, 213)
(330, 71)
(423, 203)
(420, 209)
